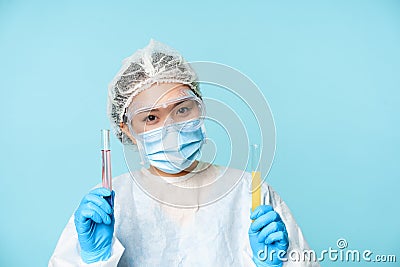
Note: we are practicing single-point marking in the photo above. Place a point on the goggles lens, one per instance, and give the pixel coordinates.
(182, 113)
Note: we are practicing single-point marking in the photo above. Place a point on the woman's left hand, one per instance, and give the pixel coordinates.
(268, 237)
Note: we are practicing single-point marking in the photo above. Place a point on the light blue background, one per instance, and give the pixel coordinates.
(329, 69)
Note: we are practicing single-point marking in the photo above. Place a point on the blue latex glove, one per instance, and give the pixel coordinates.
(94, 222)
(267, 233)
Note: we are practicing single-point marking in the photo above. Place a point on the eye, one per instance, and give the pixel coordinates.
(150, 118)
(182, 110)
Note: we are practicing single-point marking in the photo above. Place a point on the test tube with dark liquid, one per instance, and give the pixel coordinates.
(106, 178)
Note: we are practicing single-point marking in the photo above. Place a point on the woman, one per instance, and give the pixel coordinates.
(155, 104)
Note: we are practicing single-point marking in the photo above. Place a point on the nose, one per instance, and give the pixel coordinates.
(167, 120)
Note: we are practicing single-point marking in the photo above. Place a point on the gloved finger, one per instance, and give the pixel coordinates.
(264, 220)
(82, 215)
(101, 191)
(99, 201)
(279, 236)
(105, 218)
(110, 200)
(82, 226)
(269, 229)
(260, 210)
(93, 212)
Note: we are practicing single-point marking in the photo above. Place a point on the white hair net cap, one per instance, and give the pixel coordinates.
(155, 63)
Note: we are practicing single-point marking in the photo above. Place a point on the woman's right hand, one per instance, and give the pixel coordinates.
(94, 222)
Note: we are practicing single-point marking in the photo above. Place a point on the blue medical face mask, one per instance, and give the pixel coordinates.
(173, 149)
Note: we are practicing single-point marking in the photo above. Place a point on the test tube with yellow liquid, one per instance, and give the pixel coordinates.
(256, 176)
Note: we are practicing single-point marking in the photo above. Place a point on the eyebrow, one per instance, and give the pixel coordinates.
(157, 110)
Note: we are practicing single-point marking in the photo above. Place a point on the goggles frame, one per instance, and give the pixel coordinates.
(185, 94)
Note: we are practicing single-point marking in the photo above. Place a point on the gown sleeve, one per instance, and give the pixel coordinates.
(67, 251)
(297, 243)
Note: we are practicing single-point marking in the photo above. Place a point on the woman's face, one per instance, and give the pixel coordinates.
(152, 108)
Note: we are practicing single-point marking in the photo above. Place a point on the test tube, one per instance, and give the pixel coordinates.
(255, 176)
(106, 178)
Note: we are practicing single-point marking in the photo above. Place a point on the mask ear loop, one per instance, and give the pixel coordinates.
(203, 129)
(142, 153)
(203, 117)
(139, 145)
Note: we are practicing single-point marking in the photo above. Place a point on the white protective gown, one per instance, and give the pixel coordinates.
(149, 233)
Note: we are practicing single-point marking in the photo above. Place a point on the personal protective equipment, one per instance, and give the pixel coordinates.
(150, 233)
(155, 63)
(173, 148)
(173, 106)
(268, 237)
(94, 222)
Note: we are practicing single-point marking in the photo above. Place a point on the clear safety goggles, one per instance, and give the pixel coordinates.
(178, 110)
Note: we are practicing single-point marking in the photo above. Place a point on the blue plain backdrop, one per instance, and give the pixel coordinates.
(329, 69)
